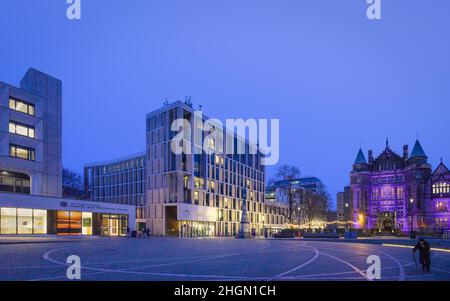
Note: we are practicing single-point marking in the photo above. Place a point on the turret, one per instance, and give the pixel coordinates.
(418, 155)
(360, 162)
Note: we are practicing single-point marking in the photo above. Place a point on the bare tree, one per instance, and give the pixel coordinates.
(283, 181)
(72, 185)
(315, 205)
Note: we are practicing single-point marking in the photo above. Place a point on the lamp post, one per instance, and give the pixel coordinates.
(411, 202)
(346, 216)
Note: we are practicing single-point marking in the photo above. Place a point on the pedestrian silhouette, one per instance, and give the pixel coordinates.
(424, 254)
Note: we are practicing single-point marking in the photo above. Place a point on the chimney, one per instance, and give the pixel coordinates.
(370, 156)
(405, 152)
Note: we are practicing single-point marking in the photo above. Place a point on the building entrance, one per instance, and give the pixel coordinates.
(387, 225)
(114, 225)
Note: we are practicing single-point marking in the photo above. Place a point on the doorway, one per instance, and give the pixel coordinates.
(114, 225)
(387, 225)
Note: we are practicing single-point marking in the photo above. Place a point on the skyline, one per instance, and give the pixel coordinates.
(180, 50)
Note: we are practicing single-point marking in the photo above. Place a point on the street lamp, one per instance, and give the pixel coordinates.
(411, 201)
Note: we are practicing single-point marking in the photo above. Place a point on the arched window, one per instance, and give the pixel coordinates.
(14, 182)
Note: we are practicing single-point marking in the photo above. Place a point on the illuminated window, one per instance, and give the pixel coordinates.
(21, 129)
(8, 221)
(69, 223)
(441, 187)
(400, 193)
(21, 152)
(196, 197)
(86, 223)
(21, 106)
(24, 221)
(39, 221)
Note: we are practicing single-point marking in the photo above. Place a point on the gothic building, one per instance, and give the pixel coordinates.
(399, 193)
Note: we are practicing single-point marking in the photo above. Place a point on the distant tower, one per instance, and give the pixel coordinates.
(360, 182)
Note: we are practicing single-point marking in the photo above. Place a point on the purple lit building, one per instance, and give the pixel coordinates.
(399, 193)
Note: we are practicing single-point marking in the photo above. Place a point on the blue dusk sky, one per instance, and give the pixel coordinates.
(334, 79)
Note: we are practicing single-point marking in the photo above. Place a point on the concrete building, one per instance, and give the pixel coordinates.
(30, 134)
(31, 167)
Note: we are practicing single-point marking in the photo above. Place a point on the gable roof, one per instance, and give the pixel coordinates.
(441, 170)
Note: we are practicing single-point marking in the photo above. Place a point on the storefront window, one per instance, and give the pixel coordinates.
(87, 223)
(24, 221)
(8, 221)
(40, 221)
(69, 223)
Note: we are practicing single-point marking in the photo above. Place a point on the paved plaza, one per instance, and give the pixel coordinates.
(209, 259)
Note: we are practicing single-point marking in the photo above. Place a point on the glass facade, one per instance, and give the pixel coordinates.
(120, 182)
(22, 221)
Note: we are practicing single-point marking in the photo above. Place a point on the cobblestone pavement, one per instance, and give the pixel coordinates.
(210, 259)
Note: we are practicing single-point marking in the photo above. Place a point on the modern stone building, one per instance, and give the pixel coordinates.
(31, 168)
(399, 193)
(201, 194)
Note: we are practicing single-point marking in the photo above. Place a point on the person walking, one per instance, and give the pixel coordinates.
(148, 232)
(424, 254)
